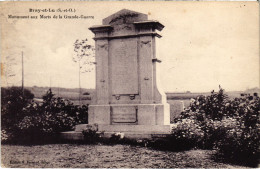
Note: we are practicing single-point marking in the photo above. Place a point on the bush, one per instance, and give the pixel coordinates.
(90, 133)
(241, 133)
(47, 119)
(13, 102)
(187, 134)
(237, 143)
(229, 125)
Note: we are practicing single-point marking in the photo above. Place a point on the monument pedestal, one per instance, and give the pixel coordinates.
(129, 114)
(134, 120)
(128, 98)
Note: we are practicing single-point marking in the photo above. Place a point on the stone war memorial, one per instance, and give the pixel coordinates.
(128, 98)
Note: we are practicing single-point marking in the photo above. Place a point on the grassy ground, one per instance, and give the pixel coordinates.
(103, 156)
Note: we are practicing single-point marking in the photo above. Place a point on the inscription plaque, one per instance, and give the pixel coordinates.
(124, 66)
(124, 114)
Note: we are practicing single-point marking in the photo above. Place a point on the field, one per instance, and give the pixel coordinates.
(104, 156)
(73, 94)
(66, 93)
(176, 100)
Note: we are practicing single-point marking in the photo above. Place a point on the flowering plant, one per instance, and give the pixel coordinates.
(232, 126)
(54, 115)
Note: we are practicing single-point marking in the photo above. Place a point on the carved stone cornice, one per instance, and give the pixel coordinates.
(128, 36)
(149, 24)
(101, 28)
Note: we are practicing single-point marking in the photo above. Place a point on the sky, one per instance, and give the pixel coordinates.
(203, 44)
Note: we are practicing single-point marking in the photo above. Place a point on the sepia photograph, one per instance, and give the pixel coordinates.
(141, 84)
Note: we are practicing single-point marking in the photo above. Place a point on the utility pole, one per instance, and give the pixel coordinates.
(22, 75)
(50, 82)
(58, 88)
(79, 86)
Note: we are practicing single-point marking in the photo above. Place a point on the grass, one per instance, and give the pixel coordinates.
(104, 156)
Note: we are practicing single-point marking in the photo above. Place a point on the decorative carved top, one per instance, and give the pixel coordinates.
(126, 24)
(148, 42)
(104, 46)
(124, 16)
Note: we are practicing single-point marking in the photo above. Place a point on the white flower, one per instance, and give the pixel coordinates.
(121, 135)
(192, 100)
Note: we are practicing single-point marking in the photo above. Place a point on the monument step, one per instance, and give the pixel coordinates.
(134, 135)
(136, 128)
(125, 128)
(71, 135)
(81, 127)
(75, 136)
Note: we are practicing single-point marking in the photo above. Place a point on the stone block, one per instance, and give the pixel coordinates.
(81, 127)
(71, 135)
(163, 114)
(151, 129)
(146, 114)
(123, 114)
(99, 114)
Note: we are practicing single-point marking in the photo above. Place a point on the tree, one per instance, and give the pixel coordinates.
(84, 55)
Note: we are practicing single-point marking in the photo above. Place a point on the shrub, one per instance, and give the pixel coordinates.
(229, 125)
(241, 133)
(239, 144)
(187, 134)
(13, 102)
(117, 137)
(52, 116)
(90, 133)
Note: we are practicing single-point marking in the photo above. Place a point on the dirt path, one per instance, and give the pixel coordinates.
(103, 156)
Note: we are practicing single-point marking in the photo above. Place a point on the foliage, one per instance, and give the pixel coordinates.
(237, 142)
(117, 137)
(84, 55)
(52, 116)
(90, 133)
(186, 133)
(13, 102)
(15, 95)
(229, 125)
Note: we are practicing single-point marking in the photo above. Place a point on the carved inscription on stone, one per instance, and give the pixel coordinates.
(124, 114)
(124, 66)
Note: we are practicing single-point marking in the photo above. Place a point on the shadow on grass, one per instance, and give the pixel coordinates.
(239, 159)
(163, 144)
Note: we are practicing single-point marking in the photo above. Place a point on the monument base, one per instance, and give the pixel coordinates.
(130, 114)
(136, 131)
(136, 121)
(129, 131)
